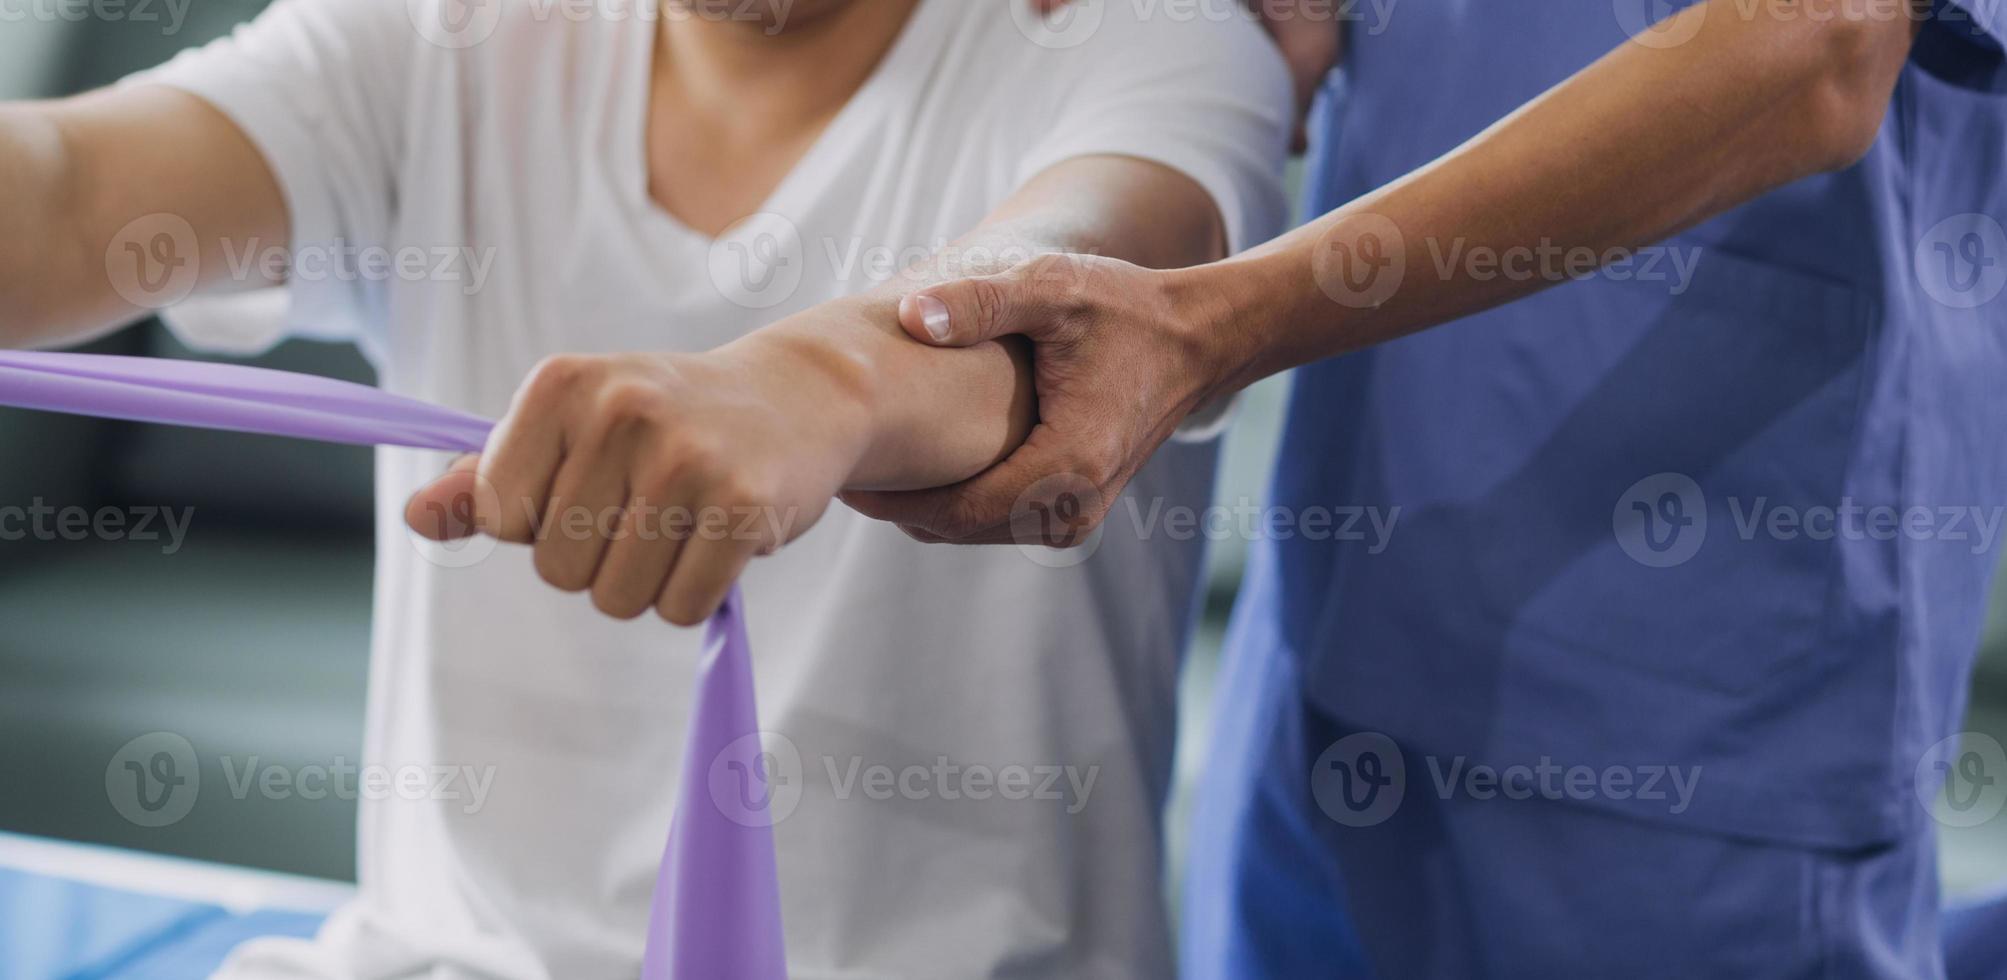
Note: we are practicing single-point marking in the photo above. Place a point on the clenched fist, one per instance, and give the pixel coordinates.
(650, 480)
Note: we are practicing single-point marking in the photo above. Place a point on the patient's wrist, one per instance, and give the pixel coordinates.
(823, 371)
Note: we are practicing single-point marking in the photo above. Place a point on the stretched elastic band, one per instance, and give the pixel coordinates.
(716, 911)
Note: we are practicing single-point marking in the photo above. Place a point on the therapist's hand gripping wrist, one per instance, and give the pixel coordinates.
(1122, 356)
(1785, 97)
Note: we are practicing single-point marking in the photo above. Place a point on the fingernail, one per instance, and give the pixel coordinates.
(934, 316)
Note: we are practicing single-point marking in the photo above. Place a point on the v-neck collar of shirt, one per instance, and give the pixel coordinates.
(835, 139)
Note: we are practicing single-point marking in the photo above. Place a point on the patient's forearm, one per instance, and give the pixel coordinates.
(939, 416)
(927, 420)
(32, 199)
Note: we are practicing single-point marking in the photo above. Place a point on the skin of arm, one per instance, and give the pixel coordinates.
(75, 177)
(666, 456)
(777, 422)
(1640, 145)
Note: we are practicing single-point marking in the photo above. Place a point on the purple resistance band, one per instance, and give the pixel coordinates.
(716, 913)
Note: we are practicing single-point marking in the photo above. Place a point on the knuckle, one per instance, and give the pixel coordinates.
(989, 299)
(958, 519)
(629, 402)
(653, 483)
(745, 488)
(698, 455)
(1050, 268)
(557, 375)
(1060, 279)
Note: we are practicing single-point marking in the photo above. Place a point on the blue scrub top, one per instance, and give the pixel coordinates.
(1739, 515)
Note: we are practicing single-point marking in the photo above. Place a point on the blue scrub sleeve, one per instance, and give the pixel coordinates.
(1965, 43)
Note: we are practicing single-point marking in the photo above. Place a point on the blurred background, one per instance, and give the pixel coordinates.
(249, 635)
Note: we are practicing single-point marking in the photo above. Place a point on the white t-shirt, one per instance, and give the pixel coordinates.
(972, 746)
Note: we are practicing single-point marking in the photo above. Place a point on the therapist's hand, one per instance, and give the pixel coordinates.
(1121, 356)
(1307, 31)
(650, 479)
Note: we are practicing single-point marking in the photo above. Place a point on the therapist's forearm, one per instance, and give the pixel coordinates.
(1639, 146)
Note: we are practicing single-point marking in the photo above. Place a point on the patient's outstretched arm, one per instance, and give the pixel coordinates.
(708, 459)
(142, 167)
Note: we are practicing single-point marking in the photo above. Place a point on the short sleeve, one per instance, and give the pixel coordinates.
(1964, 43)
(1208, 97)
(320, 87)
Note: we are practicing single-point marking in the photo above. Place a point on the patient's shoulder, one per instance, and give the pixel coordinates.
(1088, 33)
(1117, 44)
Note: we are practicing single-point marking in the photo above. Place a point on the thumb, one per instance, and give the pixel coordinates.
(967, 312)
(443, 510)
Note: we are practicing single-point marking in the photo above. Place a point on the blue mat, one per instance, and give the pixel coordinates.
(52, 929)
